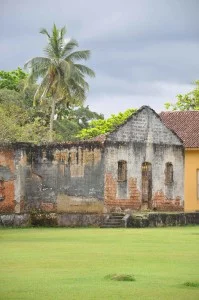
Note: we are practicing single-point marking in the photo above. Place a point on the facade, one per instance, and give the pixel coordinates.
(186, 125)
(138, 166)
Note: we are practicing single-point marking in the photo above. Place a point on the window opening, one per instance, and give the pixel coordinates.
(168, 173)
(122, 170)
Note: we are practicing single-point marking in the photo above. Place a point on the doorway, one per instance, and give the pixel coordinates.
(146, 184)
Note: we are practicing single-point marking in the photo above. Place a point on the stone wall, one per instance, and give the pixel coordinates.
(52, 220)
(163, 219)
(96, 220)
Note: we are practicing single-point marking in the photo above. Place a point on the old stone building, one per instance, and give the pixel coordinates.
(138, 166)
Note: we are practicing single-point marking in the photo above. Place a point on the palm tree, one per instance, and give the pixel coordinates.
(62, 79)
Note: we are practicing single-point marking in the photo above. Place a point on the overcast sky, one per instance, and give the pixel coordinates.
(144, 52)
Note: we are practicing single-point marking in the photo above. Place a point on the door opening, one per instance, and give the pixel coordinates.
(146, 184)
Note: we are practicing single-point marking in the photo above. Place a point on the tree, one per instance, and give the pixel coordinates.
(63, 80)
(98, 127)
(11, 80)
(69, 125)
(189, 101)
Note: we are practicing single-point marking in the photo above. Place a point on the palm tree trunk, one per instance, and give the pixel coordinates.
(52, 118)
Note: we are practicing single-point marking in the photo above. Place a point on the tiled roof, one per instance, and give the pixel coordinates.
(100, 138)
(185, 124)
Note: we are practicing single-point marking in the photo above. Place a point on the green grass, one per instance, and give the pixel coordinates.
(60, 263)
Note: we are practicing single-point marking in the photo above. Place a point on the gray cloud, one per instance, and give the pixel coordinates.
(143, 51)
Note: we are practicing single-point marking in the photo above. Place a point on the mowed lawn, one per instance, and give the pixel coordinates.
(61, 263)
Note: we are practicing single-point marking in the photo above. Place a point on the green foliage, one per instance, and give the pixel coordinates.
(11, 80)
(72, 121)
(62, 78)
(98, 127)
(20, 121)
(189, 101)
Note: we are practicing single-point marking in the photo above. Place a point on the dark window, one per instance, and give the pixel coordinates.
(122, 170)
(168, 173)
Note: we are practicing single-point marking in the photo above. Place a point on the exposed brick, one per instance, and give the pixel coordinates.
(7, 159)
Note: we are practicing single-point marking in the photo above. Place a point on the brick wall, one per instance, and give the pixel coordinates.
(7, 169)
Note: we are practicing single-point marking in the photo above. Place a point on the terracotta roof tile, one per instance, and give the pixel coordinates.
(100, 138)
(185, 124)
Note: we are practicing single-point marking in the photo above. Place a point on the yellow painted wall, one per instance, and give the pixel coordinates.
(191, 166)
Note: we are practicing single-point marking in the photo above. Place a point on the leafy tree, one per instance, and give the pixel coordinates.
(18, 120)
(74, 120)
(12, 116)
(189, 101)
(63, 80)
(98, 127)
(11, 80)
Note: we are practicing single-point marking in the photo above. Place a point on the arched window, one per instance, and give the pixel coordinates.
(122, 170)
(168, 173)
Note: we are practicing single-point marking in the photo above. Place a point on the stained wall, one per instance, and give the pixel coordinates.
(143, 138)
(66, 178)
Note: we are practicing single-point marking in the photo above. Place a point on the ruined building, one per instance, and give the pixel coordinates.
(138, 166)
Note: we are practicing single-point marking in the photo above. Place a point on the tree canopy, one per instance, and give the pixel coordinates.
(189, 101)
(62, 78)
(11, 80)
(21, 121)
(98, 127)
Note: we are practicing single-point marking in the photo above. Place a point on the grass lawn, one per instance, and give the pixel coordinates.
(61, 263)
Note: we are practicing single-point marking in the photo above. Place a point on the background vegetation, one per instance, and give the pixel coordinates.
(47, 102)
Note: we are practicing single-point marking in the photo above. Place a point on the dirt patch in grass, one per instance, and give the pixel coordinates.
(120, 277)
(194, 284)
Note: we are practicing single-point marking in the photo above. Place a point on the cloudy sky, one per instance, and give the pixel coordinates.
(144, 52)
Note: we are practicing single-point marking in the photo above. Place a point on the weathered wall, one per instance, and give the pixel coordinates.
(7, 170)
(143, 138)
(13, 169)
(67, 177)
(96, 219)
(163, 219)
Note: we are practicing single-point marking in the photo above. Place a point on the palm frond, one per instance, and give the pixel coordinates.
(85, 70)
(63, 32)
(44, 31)
(78, 55)
(68, 47)
(36, 62)
(65, 69)
(42, 89)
